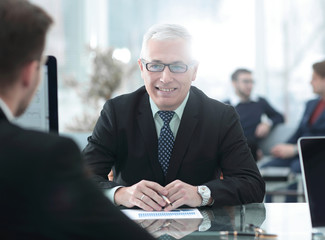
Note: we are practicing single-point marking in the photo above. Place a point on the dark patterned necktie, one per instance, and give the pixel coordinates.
(165, 140)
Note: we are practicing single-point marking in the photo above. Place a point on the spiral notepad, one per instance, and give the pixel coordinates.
(174, 214)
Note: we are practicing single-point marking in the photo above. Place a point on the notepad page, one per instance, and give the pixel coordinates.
(136, 214)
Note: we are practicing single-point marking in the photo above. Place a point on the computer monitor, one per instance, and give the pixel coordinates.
(312, 161)
(42, 113)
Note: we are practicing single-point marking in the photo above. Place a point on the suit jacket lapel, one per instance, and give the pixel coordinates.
(309, 112)
(312, 108)
(149, 134)
(320, 120)
(184, 135)
(2, 115)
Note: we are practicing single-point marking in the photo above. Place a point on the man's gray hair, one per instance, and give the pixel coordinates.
(165, 32)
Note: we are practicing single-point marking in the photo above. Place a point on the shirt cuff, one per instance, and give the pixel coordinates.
(109, 193)
(212, 202)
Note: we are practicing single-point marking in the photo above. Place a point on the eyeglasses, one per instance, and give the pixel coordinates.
(247, 81)
(159, 67)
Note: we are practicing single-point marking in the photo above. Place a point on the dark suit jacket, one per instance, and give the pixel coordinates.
(209, 140)
(45, 193)
(250, 114)
(304, 128)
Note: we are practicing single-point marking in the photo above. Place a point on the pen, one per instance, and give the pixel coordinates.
(258, 235)
(166, 199)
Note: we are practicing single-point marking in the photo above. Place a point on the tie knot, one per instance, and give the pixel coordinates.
(166, 116)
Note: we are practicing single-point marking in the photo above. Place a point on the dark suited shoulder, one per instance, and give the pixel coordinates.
(221, 134)
(209, 105)
(110, 133)
(210, 102)
(312, 101)
(304, 128)
(227, 101)
(37, 147)
(48, 194)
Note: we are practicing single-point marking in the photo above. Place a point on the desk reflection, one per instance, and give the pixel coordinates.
(215, 219)
(177, 228)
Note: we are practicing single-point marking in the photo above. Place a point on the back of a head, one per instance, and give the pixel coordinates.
(165, 32)
(22, 37)
(319, 68)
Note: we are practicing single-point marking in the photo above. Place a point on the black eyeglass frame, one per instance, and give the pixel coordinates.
(168, 65)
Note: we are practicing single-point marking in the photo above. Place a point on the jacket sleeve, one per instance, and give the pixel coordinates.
(241, 182)
(100, 152)
(271, 113)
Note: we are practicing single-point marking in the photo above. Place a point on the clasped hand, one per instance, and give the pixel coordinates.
(147, 195)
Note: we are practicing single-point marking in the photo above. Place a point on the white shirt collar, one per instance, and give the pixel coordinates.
(179, 111)
(4, 107)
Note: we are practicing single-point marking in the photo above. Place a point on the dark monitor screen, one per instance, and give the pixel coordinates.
(42, 113)
(312, 159)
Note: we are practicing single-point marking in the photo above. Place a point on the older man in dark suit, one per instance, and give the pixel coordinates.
(45, 192)
(168, 142)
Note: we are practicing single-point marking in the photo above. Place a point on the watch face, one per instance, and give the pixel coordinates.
(204, 191)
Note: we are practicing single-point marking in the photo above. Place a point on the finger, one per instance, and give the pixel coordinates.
(145, 200)
(176, 234)
(156, 187)
(158, 228)
(178, 191)
(145, 191)
(155, 225)
(154, 191)
(153, 195)
(175, 205)
(171, 185)
(168, 202)
(179, 226)
(144, 184)
(141, 204)
(140, 221)
(147, 223)
(162, 231)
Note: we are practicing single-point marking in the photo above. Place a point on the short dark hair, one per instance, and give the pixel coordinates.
(23, 28)
(234, 76)
(319, 68)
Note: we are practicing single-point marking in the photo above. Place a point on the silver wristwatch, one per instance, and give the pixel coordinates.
(206, 222)
(205, 193)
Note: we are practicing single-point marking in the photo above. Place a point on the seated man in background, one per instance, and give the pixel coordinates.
(251, 110)
(45, 191)
(168, 139)
(311, 124)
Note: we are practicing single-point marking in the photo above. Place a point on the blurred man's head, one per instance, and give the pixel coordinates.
(166, 64)
(242, 82)
(318, 78)
(22, 40)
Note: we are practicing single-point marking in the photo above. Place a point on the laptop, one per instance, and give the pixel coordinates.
(312, 162)
(42, 113)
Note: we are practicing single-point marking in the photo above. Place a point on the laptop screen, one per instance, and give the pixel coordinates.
(42, 113)
(312, 159)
